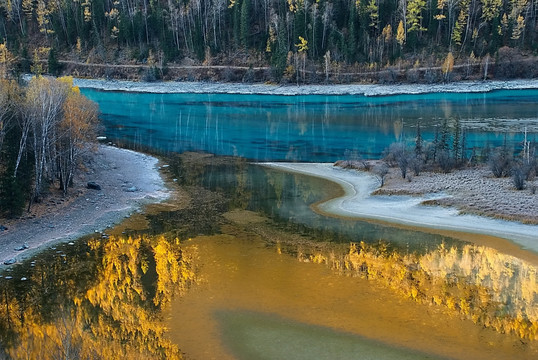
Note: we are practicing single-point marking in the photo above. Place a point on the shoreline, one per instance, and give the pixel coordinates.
(172, 87)
(129, 180)
(359, 203)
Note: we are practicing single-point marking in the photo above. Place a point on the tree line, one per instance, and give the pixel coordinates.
(45, 128)
(448, 151)
(292, 36)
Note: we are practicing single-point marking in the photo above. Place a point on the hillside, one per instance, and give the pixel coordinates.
(280, 41)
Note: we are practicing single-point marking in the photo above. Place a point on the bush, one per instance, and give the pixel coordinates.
(412, 75)
(416, 164)
(150, 74)
(509, 64)
(399, 154)
(500, 163)
(446, 163)
(518, 177)
(249, 76)
(388, 76)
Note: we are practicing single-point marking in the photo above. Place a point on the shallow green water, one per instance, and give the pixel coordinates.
(260, 336)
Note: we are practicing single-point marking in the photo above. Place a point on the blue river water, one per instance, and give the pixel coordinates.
(311, 128)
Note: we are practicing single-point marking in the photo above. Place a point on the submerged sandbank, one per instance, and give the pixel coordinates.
(358, 202)
(266, 89)
(128, 181)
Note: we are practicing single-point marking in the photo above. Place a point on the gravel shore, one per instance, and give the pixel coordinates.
(128, 180)
(350, 89)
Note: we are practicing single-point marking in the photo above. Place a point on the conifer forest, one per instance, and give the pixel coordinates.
(275, 40)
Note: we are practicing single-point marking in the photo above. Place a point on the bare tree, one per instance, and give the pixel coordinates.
(381, 170)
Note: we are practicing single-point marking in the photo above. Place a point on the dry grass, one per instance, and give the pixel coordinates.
(472, 191)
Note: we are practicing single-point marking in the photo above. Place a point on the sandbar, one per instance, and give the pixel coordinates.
(358, 202)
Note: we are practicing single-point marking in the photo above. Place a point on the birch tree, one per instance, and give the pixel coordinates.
(7, 107)
(45, 99)
(76, 131)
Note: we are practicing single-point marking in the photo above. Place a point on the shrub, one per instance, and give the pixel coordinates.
(518, 177)
(416, 164)
(400, 155)
(500, 163)
(446, 163)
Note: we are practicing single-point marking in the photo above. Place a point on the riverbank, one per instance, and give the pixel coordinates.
(472, 191)
(128, 180)
(359, 202)
(267, 89)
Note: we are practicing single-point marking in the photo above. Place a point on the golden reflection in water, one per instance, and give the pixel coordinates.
(242, 273)
(490, 288)
(116, 316)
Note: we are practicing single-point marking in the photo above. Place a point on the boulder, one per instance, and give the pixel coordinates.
(22, 247)
(130, 189)
(10, 262)
(3, 228)
(93, 185)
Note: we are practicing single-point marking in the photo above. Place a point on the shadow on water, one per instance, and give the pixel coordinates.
(251, 335)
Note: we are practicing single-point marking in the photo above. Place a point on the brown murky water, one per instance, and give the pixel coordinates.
(256, 274)
(256, 286)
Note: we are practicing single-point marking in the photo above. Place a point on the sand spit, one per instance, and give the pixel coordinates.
(358, 202)
(128, 180)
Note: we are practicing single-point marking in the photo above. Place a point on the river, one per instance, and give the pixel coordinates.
(239, 266)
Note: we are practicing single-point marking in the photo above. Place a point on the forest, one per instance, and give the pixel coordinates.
(276, 40)
(45, 129)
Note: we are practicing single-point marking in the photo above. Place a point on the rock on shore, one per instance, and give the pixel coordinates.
(93, 209)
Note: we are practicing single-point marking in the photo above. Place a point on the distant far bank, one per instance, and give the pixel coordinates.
(163, 87)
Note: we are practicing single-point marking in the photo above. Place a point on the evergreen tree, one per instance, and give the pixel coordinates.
(53, 65)
(245, 23)
(418, 142)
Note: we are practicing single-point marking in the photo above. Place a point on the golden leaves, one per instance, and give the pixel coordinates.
(302, 46)
(116, 317)
(488, 287)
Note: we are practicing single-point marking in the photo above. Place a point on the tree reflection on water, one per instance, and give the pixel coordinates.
(491, 288)
(103, 297)
(102, 302)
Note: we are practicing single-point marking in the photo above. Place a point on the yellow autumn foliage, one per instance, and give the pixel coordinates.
(117, 317)
(490, 288)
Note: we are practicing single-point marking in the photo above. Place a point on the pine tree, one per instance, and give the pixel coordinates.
(418, 142)
(53, 65)
(244, 25)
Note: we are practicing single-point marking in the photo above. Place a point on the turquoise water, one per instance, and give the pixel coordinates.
(310, 128)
